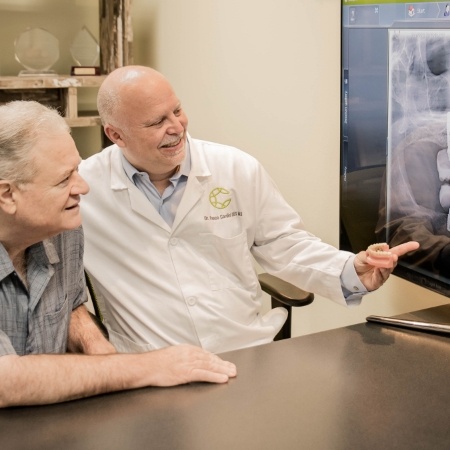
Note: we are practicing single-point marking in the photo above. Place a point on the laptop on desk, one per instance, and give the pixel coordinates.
(436, 319)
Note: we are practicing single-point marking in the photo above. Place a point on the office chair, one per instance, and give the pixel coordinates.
(286, 295)
(97, 317)
(281, 293)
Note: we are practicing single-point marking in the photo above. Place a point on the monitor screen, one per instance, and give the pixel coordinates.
(395, 133)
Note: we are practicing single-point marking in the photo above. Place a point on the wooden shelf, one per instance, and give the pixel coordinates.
(58, 91)
(61, 91)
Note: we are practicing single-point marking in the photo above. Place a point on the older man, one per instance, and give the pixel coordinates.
(42, 289)
(173, 225)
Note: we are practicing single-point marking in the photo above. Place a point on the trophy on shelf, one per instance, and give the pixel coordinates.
(85, 52)
(36, 50)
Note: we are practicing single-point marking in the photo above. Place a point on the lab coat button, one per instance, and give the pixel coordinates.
(174, 241)
(191, 301)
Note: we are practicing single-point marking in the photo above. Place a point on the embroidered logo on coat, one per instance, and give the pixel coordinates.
(219, 198)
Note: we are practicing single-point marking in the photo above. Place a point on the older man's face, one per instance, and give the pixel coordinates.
(49, 204)
(154, 129)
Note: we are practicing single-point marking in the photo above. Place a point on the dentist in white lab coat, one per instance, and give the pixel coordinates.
(173, 225)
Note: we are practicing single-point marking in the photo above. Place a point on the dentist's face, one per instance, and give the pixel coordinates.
(152, 133)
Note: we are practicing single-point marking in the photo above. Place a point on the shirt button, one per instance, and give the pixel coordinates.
(355, 288)
(191, 301)
(174, 241)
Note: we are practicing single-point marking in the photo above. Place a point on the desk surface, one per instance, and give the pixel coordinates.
(361, 387)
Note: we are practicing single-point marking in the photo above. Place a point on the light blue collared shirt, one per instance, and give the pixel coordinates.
(352, 288)
(166, 203)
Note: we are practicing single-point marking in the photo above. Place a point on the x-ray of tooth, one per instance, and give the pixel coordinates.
(418, 164)
(419, 78)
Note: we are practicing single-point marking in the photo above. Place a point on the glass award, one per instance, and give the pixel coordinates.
(36, 50)
(85, 52)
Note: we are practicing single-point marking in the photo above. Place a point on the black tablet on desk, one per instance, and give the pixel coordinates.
(436, 319)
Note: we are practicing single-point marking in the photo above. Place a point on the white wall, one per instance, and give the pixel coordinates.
(264, 75)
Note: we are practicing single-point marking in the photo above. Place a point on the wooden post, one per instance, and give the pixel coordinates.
(71, 103)
(116, 34)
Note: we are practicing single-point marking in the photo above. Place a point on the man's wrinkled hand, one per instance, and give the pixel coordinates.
(184, 363)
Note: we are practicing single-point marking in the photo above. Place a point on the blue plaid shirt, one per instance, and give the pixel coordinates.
(37, 320)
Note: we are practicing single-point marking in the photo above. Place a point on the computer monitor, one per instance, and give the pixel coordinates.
(395, 133)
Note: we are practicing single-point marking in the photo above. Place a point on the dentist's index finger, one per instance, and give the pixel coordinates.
(401, 249)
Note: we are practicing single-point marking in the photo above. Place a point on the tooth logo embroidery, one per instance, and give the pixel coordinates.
(219, 198)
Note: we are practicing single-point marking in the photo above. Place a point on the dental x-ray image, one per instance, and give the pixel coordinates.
(417, 203)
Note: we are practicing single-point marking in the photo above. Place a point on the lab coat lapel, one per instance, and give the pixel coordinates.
(196, 184)
(192, 195)
(137, 200)
(140, 205)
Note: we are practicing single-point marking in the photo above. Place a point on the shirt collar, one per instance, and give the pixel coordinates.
(45, 247)
(185, 166)
(6, 266)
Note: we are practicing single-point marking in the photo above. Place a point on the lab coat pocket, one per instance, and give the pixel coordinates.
(229, 261)
(124, 344)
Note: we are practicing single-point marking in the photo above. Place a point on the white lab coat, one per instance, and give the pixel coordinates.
(195, 282)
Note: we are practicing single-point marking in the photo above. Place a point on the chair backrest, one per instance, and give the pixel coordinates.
(90, 287)
(97, 317)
